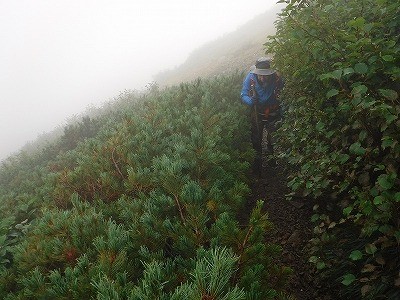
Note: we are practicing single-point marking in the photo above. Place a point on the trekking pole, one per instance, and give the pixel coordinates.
(256, 116)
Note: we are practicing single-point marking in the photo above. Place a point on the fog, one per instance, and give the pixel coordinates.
(58, 57)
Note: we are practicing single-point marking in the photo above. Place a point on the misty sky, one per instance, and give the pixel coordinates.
(57, 57)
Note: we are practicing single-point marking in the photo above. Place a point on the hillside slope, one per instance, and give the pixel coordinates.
(137, 204)
(234, 51)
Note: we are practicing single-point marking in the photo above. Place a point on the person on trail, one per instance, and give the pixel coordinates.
(260, 90)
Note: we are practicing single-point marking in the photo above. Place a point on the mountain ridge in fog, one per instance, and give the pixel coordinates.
(235, 51)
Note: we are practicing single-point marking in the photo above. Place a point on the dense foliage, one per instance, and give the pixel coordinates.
(141, 203)
(342, 132)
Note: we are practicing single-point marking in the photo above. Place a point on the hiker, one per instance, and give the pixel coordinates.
(260, 91)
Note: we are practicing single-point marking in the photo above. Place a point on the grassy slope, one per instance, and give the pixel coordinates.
(234, 51)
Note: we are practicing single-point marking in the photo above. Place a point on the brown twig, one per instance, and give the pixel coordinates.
(242, 248)
(116, 165)
(180, 209)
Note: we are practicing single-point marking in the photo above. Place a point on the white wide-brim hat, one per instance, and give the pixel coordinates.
(262, 67)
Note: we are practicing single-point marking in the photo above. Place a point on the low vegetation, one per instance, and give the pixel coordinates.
(341, 135)
(141, 201)
(142, 207)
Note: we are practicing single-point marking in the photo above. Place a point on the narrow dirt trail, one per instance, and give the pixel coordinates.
(292, 229)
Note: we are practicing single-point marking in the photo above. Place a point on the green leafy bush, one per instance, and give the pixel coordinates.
(341, 133)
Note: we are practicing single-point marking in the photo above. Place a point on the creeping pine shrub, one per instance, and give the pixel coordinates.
(341, 134)
(146, 207)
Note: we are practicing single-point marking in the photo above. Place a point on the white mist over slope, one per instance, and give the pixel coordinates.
(59, 57)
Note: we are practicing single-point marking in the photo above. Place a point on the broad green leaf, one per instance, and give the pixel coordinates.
(348, 71)
(325, 76)
(385, 228)
(379, 167)
(356, 100)
(397, 197)
(361, 68)
(367, 102)
(374, 192)
(356, 255)
(347, 210)
(357, 23)
(390, 118)
(387, 142)
(385, 182)
(319, 126)
(362, 135)
(389, 94)
(356, 148)
(359, 90)
(379, 200)
(344, 158)
(332, 92)
(368, 27)
(345, 106)
(348, 279)
(388, 58)
(320, 265)
(314, 217)
(367, 208)
(330, 133)
(3, 238)
(372, 59)
(337, 74)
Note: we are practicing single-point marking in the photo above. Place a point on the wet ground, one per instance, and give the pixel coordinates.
(292, 229)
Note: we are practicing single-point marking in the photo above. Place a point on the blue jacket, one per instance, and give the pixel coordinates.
(264, 93)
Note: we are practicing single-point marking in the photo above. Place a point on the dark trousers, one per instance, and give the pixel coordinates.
(258, 121)
(257, 128)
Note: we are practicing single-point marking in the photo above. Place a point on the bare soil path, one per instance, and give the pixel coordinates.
(292, 229)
